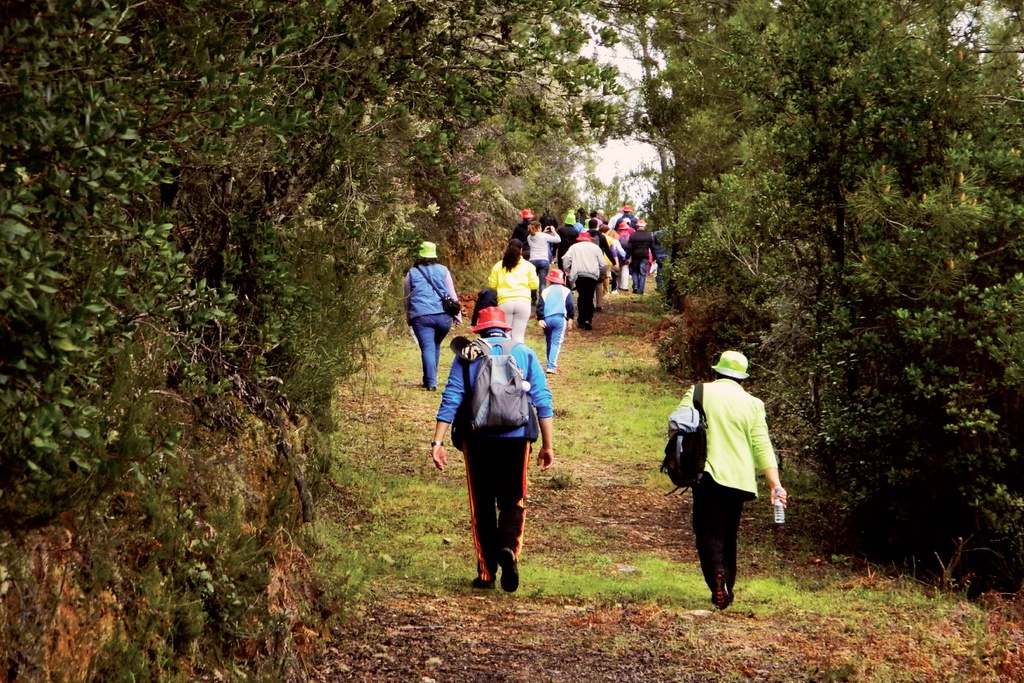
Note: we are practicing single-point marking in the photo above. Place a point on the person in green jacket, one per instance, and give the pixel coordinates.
(738, 446)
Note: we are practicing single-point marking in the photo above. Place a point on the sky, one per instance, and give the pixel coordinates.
(619, 157)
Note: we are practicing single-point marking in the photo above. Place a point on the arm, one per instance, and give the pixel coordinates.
(546, 454)
(540, 397)
(454, 391)
(450, 284)
(407, 287)
(437, 452)
(570, 306)
(492, 279)
(687, 401)
(764, 454)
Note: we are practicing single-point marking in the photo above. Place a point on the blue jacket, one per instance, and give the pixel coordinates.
(455, 390)
(555, 300)
(423, 299)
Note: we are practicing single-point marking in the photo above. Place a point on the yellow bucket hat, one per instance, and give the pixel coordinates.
(732, 364)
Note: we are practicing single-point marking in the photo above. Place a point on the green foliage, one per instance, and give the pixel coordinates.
(863, 249)
(204, 208)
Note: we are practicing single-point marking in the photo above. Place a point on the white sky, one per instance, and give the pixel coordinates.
(619, 157)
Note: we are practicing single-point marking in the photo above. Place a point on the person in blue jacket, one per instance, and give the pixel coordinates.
(555, 311)
(496, 463)
(425, 283)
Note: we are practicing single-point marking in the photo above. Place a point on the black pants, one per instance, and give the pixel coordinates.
(716, 523)
(586, 286)
(496, 475)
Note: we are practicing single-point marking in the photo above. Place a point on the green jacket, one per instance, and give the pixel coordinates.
(738, 443)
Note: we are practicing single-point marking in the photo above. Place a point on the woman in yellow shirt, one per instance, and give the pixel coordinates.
(514, 278)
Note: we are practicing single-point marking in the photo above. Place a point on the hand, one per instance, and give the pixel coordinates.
(545, 457)
(541, 324)
(779, 496)
(439, 456)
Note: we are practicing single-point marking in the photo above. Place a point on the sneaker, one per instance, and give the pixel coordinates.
(721, 596)
(483, 585)
(509, 570)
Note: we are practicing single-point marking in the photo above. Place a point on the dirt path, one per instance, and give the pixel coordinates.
(611, 588)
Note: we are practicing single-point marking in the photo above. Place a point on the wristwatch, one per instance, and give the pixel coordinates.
(436, 443)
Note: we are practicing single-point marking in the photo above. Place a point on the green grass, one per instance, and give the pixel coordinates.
(394, 526)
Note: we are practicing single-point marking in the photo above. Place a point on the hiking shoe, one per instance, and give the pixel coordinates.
(721, 596)
(483, 585)
(509, 570)
(551, 371)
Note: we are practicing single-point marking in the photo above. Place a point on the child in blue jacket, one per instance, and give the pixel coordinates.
(555, 308)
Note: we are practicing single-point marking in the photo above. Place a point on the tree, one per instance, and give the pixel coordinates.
(204, 207)
(876, 192)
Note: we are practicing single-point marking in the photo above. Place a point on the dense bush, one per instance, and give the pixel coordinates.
(876, 188)
(204, 210)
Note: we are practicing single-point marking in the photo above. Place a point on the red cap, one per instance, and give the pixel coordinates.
(556, 277)
(584, 237)
(527, 215)
(491, 317)
(627, 208)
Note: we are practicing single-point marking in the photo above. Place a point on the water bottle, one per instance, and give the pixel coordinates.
(780, 511)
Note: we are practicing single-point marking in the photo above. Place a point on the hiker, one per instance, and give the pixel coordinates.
(661, 254)
(555, 311)
(515, 280)
(496, 462)
(485, 298)
(641, 253)
(547, 219)
(618, 259)
(738, 446)
(623, 231)
(599, 236)
(580, 219)
(568, 233)
(625, 216)
(540, 241)
(522, 231)
(585, 265)
(426, 283)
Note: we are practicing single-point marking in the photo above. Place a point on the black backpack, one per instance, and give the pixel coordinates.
(687, 449)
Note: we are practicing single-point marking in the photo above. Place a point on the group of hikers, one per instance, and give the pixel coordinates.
(497, 401)
(631, 251)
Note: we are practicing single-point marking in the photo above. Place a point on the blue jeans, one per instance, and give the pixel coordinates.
(430, 331)
(542, 266)
(554, 333)
(639, 273)
(659, 279)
